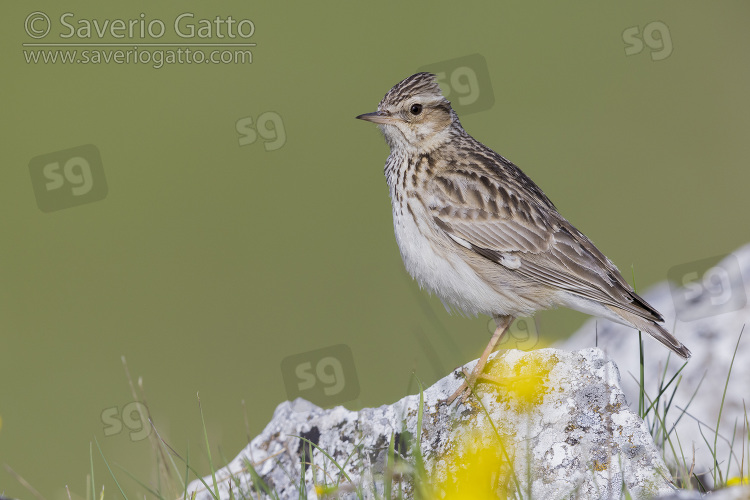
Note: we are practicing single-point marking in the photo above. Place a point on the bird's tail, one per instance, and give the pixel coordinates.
(653, 329)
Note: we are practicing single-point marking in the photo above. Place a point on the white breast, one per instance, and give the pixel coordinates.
(438, 269)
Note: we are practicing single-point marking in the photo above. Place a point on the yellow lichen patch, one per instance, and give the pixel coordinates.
(525, 381)
(478, 467)
(600, 466)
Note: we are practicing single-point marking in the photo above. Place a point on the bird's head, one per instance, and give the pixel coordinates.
(414, 115)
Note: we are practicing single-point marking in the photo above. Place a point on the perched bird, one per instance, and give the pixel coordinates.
(476, 231)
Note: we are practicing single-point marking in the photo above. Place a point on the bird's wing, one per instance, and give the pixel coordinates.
(500, 215)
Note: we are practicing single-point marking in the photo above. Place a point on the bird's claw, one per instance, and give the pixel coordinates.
(464, 389)
(469, 385)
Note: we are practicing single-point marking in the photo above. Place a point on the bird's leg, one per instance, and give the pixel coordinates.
(502, 322)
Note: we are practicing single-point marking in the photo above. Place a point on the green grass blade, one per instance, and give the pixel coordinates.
(329, 457)
(208, 448)
(302, 486)
(502, 445)
(712, 451)
(663, 424)
(187, 472)
(420, 473)
(747, 433)
(724, 394)
(641, 382)
(731, 450)
(355, 450)
(419, 462)
(258, 482)
(91, 461)
(172, 451)
(140, 483)
(690, 401)
(641, 402)
(167, 451)
(109, 469)
(664, 388)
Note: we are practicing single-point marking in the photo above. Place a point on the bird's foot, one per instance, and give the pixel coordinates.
(469, 385)
(464, 390)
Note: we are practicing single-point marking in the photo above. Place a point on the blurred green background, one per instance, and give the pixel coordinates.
(216, 254)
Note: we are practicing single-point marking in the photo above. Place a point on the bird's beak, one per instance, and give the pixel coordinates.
(378, 117)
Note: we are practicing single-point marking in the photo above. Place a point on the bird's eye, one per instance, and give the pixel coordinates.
(416, 109)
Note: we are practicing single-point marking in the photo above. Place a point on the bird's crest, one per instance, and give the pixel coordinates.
(425, 84)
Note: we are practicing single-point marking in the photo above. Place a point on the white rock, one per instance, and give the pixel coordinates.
(736, 493)
(709, 323)
(561, 417)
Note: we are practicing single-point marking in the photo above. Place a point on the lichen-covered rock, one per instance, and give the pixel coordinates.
(556, 425)
(707, 315)
(736, 493)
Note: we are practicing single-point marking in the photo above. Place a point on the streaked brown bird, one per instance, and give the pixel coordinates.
(476, 231)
